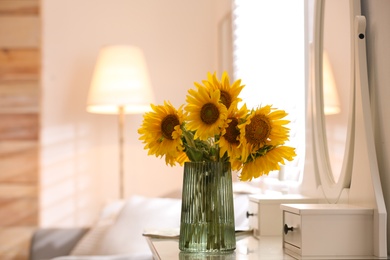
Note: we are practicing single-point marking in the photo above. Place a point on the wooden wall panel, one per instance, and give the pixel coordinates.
(18, 247)
(19, 64)
(19, 127)
(19, 97)
(22, 32)
(17, 191)
(10, 148)
(20, 36)
(20, 164)
(19, 212)
(19, 7)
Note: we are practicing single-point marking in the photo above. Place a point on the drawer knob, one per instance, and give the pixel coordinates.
(286, 229)
(249, 214)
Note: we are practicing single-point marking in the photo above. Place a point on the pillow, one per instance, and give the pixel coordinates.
(241, 205)
(121, 224)
(111, 257)
(139, 214)
(89, 243)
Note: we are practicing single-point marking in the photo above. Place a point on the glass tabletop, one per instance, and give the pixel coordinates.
(247, 248)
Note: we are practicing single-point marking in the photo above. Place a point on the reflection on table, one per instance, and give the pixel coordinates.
(248, 248)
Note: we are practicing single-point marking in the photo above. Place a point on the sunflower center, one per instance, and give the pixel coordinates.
(209, 113)
(258, 130)
(232, 132)
(226, 99)
(168, 126)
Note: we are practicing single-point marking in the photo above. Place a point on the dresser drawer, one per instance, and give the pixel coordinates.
(252, 215)
(292, 229)
(323, 231)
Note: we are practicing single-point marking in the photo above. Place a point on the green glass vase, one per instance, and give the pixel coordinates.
(207, 211)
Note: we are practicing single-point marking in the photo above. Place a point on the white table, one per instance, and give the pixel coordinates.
(247, 248)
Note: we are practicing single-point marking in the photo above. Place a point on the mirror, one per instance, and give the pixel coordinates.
(362, 187)
(336, 83)
(333, 93)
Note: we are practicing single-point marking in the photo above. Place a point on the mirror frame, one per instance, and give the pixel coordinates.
(331, 189)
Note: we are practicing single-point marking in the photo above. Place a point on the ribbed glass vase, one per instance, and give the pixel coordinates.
(207, 211)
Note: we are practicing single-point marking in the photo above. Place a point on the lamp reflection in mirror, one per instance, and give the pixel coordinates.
(120, 85)
(331, 97)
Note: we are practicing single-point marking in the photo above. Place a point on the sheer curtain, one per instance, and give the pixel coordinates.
(269, 56)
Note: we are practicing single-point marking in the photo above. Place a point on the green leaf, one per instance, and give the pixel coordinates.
(193, 154)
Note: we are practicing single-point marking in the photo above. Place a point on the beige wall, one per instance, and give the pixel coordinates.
(79, 154)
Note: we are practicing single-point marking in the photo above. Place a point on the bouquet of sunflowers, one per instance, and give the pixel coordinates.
(211, 127)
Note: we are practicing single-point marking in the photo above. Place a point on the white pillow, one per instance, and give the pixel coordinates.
(241, 204)
(139, 214)
(89, 243)
(107, 257)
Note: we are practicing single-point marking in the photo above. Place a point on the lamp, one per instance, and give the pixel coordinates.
(331, 98)
(120, 85)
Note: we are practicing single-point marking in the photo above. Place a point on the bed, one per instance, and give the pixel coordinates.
(118, 232)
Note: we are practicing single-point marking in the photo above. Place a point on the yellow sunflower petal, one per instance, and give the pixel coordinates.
(160, 131)
(229, 141)
(205, 114)
(263, 127)
(267, 163)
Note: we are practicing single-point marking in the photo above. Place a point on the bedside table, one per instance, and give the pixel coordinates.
(247, 248)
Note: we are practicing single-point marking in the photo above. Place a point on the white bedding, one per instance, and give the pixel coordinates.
(118, 233)
(147, 256)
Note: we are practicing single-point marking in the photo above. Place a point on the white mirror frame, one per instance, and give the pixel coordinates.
(331, 190)
(360, 177)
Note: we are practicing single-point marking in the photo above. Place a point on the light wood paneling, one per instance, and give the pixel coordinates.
(19, 127)
(9, 148)
(19, 162)
(18, 247)
(19, 64)
(19, 212)
(19, 7)
(16, 191)
(22, 32)
(19, 97)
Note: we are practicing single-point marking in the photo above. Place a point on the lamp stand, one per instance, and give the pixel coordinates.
(121, 120)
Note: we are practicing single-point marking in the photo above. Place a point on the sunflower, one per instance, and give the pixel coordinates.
(229, 142)
(180, 158)
(161, 132)
(267, 162)
(205, 114)
(211, 127)
(264, 126)
(229, 93)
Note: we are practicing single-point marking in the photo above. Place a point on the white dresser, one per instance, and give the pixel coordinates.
(327, 231)
(265, 216)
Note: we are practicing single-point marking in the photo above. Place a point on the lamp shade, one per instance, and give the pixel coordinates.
(120, 79)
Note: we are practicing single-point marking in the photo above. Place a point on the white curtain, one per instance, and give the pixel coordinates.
(269, 56)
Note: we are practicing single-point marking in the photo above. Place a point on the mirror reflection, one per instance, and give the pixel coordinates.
(336, 80)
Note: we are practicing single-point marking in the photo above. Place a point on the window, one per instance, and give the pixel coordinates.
(269, 56)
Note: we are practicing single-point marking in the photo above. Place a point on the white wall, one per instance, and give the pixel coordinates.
(79, 155)
(378, 58)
